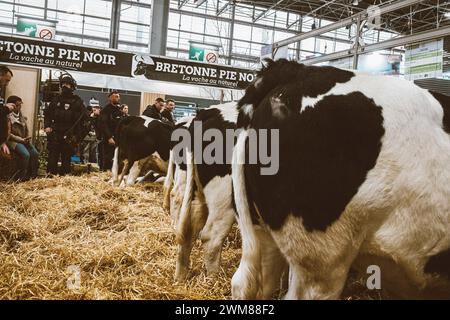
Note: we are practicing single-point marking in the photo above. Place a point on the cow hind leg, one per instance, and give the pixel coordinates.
(198, 214)
(115, 168)
(213, 235)
(134, 173)
(124, 171)
(318, 261)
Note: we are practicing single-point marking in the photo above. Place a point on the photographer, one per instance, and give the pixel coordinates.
(20, 142)
(63, 121)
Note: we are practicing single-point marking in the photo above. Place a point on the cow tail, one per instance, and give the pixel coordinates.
(250, 265)
(183, 225)
(168, 182)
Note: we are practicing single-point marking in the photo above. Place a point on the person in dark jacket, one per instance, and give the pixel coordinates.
(110, 117)
(154, 110)
(5, 108)
(63, 121)
(167, 112)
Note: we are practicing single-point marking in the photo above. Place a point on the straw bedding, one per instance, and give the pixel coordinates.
(120, 240)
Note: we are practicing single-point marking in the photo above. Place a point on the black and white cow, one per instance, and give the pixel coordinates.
(201, 201)
(142, 143)
(363, 179)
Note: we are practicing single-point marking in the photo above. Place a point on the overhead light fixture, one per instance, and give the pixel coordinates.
(447, 15)
(355, 2)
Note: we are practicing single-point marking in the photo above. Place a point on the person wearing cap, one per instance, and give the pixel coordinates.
(20, 142)
(64, 123)
(109, 119)
(154, 110)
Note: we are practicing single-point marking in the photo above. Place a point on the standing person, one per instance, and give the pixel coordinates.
(95, 120)
(90, 142)
(63, 120)
(5, 108)
(154, 110)
(167, 111)
(108, 121)
(20, 141)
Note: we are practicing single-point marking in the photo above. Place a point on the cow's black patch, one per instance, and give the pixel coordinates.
(180, 126)
(439, 264)
(211, 119)
(137, 141)
(325, 154)
(311, 81)
(444, 100)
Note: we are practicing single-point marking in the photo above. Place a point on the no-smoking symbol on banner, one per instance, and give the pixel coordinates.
(211, 57)
(46, 34)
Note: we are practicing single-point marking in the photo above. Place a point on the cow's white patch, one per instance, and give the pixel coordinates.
(115, 167)
(228, 111)
(134, 173)
(248, 110)
(148, 120)
(310, 102)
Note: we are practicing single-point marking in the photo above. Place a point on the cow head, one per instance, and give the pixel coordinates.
(271, 75)
(141, 66)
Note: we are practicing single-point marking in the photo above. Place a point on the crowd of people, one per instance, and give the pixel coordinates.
(70, 128)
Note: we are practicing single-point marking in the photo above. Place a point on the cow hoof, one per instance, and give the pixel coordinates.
(212, 269)
(140, 180)
(180, 277)
(160, 180)
(244, 285)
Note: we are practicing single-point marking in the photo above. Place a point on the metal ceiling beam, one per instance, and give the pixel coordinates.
(345, 22)
(327, 3)
(224, 7)
(264, 13)
(388, 44)
(200, 2)
(181, 3)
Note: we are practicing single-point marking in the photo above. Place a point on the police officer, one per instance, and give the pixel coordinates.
(110, 117)
(63, 121)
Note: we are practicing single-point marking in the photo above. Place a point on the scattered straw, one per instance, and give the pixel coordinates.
(121, 240)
